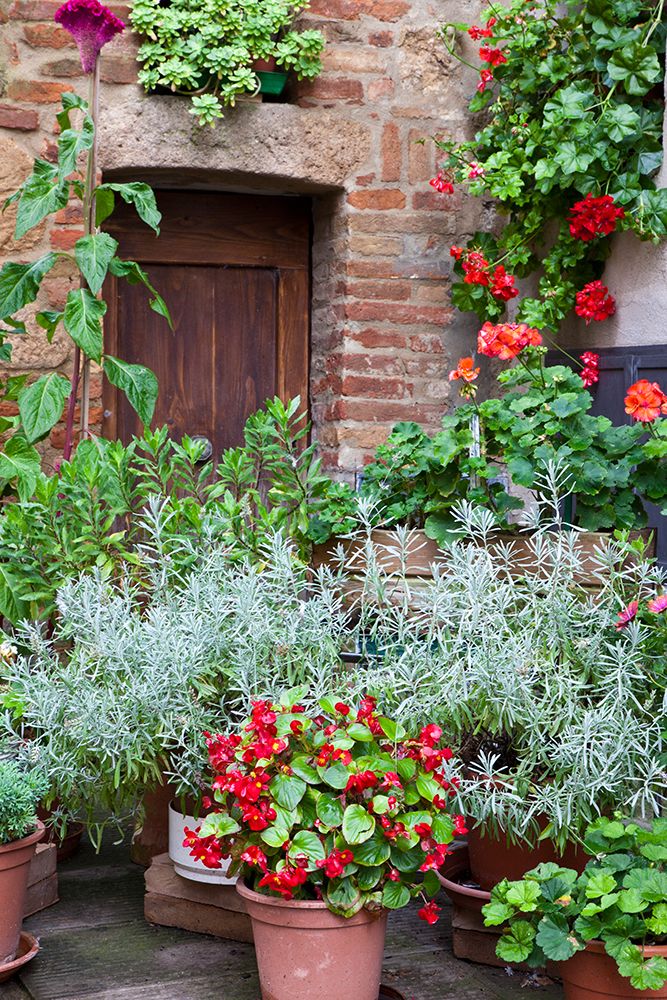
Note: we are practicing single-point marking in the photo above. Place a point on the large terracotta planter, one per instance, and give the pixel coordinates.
(493, 860)
(592, 975)
(305, 952)
(15, 861)
(152, 837)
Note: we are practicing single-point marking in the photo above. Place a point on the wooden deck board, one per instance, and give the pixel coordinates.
(97, 946)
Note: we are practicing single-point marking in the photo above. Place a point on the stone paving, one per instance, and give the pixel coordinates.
(97, 946)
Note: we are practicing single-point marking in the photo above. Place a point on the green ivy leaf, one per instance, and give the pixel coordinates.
(83, 321)
(93, 255)
(41, 405)
(358, 824)
(138, 383)
(19, 283)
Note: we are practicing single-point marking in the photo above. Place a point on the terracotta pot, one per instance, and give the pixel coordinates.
(493, 860)
(184, 864)
(69, 844)
(592, 975)
(265, 65)
(28, 947)
(15, 861)
(305, 952)
(152, 837)
(453, 875)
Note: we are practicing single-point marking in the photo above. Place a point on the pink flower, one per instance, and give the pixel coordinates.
(658, 604)
(441, 184)
(476, 170)
(627, 615)
(91, 24)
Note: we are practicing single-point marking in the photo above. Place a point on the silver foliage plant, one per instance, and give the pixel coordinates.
(550, 707)
(130, 680)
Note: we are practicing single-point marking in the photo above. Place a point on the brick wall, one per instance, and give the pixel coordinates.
(384, 333)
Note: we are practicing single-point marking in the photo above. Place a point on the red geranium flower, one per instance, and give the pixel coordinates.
(464, 370)
(456, 252)
(430, 912)
(627, 615)
(502, 286)
(506, 340)
(590, 373)
(645, 401)
(485, 76)
(441, 184)
(593, 217)
(475, 267)
(594, 302)
(494, 57)
(476, 32)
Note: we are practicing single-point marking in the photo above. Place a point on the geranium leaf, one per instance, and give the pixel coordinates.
(556, 940)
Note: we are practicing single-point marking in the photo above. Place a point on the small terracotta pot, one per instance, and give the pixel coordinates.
(15, 859)
(265, 65)
(492, 860)
(592, 975)
(306, 952)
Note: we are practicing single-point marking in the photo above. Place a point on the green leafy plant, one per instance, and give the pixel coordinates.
(619, 899)
(569, 144)
(348, 806)
(20, 792)
(208, 51)
(48, 189)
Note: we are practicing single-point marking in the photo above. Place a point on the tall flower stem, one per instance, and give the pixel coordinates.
(79, 372)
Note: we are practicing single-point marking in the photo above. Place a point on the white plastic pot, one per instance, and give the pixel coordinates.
(184, 864)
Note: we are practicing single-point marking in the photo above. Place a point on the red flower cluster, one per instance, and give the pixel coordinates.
(441, 184)
(494, 57)
(645, 401)
(286, 880)
(366, 714)
(464, 370)
(221, 749)
(502, 284)
(254, 855)
(266, 743)
(477, 271)
(590, 373)
(329, 754)
(657, 604)
(336, 863)
(593, 217)
(358, 783)
(476, 32)
(485, 77)
(506, 340)
(430, 912)
(594, 302)
(204, 849)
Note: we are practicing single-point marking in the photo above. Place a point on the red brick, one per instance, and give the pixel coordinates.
(335, 88)
(372, 387)
(371, 269)
(43, 10)
(392, 153)
(381, 39)
(395, 291)
(381, 410)
(36, 91)
(19, 118)
(433, 201)
(380, 88)
(370, 364)
(394, 312)
(70, 216)
(64, 239)
(427, 343)
(62, 68)
(351, 10)
(363, 180)
(8, 409)
(118, 69)
(379, 198)
(47, 36)
(379, 338)
(421, 157)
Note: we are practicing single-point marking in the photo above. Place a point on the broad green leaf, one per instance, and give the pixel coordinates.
(71, 143)
(105, 202)
(337, 776)
(219, 825)
(368, 878)
(39, 198)
(41, 404)
(93, 255)
(392, 730)
(657, 923)
(374, 851)
(329, 810)
(599, 884)
(395, 895)
(360, 733)
(651, 883)
(49, 320)
(428, 787)
(637, 66)
(138, 383)
(12, 606)
(307, 843)
(275, 836)
(358, 824)
(632, 901)
(83, 321)
(19, 462)
(517, 945)
(496, 913)
(303, 769)
(343, 897)
(556, 940)
(443, 829)
(134, 275)
(69, 101)
(141, 196)
(287, 790)
(19, 283)
(523, 895)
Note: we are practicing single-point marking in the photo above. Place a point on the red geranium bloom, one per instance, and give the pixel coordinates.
(456, 252)
(441, 184)
(658, 604)
(254, 855)
(627, 615)
(464, 370)
(590, 373)
(423, 830)
(460, 827)
(502, 286)
(594, 302)
(360, 782)
(506, 340)
(475, 268)
(593, 217)
(485, 76)
(476, 170)
(430, 912)
(494, 57)
(645, 401)
(91, 25)
(476, 32)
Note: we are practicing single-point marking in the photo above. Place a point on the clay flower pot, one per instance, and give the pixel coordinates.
(592, 975)
(306, 952)
(15, 859)
(492, 860)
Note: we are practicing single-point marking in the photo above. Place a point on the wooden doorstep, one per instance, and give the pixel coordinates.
(173, 901)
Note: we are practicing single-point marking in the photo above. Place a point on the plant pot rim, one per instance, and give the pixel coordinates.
(450, 886)
(317, 905)
(27, 841)
(27, 949)
(598, 948)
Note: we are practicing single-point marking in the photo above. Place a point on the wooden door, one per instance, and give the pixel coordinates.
(234, 271)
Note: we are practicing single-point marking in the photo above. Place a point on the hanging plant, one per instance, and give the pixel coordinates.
(571, 98)
(209, 50)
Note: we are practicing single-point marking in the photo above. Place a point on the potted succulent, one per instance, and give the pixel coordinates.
(606, 927)
(332, 818)
(239, 48)
(20, 831)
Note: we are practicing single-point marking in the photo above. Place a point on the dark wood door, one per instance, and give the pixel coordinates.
(234, 271)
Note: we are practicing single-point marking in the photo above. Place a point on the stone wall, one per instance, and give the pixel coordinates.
(384, 334)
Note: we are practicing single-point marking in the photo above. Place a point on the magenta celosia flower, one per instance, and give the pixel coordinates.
(91, 24)
(658, 604)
